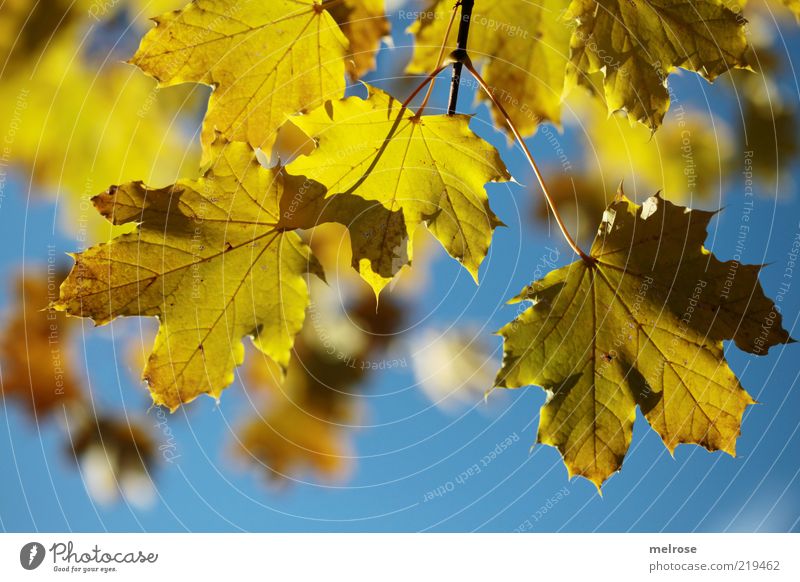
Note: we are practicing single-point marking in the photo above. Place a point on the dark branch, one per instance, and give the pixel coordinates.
(461, 48)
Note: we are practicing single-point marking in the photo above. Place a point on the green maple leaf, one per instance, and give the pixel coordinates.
(641, 326)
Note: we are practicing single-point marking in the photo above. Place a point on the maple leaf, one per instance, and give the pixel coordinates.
(432, 168)
(208, 260)
(636, 45)
(794, 6)
(378, 237)
(36, 349)
(643, 325)
(364, 24)
(771, 138)
(104, 110)
(116, 456)
(307, 414)
(580, 199)
(302, 426)
(524, 49)
(26, 27)
(768, 126)
(288, 440)
(265, 60)
(685, 160)
(453, 366)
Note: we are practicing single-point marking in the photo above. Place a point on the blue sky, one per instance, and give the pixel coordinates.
(411, 448)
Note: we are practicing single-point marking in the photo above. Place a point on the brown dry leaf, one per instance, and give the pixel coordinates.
(35, 347)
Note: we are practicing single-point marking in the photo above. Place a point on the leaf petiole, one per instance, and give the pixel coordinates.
(465, 60)
(429, 79)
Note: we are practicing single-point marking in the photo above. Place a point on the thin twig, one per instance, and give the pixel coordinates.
(431, 76)
(550, 202)
(461, 51)
(440, 58)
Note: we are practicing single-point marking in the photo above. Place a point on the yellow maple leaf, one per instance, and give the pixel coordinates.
(307, 414)
(265, 60)
(685, 160)
(643, 325)
(794, 6)
(303, 423)
(364, 24)
(637, 44)
(73, 127)
(432, 168)
(524, 49)
(27, 26)
(290, 438)
(768, 125)
(378, 237)
(208, 260)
